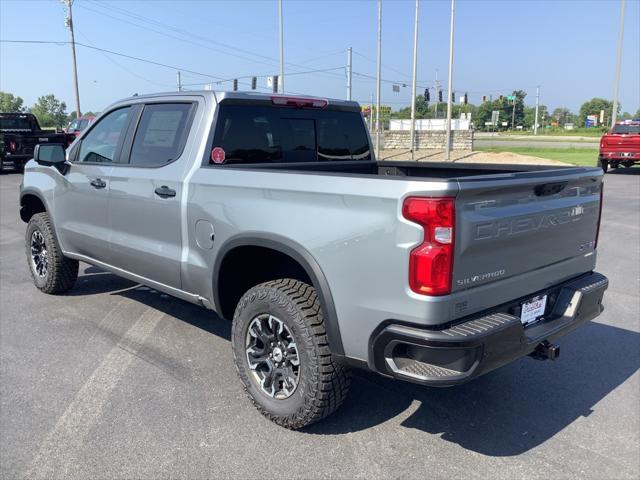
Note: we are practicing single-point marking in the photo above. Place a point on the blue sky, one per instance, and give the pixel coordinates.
(568, 47)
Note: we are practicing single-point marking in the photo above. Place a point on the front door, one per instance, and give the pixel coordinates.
(81, 208)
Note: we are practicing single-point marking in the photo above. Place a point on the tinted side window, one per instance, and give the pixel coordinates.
(250, 134)
(101, 143)
(161, 134)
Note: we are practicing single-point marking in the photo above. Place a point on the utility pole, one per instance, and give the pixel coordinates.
(513, 114)
(450, 81)
(378, 79)
(281, 46)
(179, 82)
(371, 114)
(69, 24)
(349, 71)
(413, 81)
(535, 122)
(435, 104)
(616, 85)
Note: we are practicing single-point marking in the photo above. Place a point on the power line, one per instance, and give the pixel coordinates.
(271, 61)
(122, 66)
(268, 75)
(131, 57)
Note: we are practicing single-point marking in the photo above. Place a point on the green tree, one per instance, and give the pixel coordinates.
(593, 107)
(72, 115)
(506, 109)
(530, 116)
(50, 111)
(426, 110)
(9, 103)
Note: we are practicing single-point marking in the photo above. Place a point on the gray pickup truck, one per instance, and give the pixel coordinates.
(273, 212)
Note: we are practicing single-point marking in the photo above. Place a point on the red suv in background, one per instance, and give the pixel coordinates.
(79, 124)
(621, 145)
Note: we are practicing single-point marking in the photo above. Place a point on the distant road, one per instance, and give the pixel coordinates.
(488, 140)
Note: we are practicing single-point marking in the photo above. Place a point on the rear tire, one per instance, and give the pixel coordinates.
(293, 379)
(51, 271)
(603, 164)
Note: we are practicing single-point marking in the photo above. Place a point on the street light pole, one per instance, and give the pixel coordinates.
(349, 71)
(281, 79)
(69, 23)
(413, 82)
(616, 85)
(450, 81)
(535, 122)
(378, 79)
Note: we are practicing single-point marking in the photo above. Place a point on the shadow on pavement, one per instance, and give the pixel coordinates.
(94, 280)
(504, 413)
(508, 411)
(623, 171)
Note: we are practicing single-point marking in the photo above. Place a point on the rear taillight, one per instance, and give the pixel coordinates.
(595, 243)
(298, 102)
(431, 263)
(13, 146)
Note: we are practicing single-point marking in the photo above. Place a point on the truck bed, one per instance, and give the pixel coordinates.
(415, 170)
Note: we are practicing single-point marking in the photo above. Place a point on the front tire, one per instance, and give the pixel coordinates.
(51, 271)
(282, 355)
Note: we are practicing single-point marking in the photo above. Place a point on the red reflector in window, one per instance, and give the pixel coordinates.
(431, 263)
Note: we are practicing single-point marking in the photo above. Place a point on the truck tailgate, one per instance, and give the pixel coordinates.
(512, 224)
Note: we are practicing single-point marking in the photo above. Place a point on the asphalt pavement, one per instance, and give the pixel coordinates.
(114, 380)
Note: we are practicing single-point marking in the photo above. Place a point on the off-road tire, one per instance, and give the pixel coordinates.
(603, 164)
(323, 383)
(61, 272)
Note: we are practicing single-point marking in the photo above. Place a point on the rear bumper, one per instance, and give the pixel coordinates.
(620, 156)
(485, 342)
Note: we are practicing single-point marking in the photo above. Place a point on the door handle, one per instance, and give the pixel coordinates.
(165, 192)
(98, 183)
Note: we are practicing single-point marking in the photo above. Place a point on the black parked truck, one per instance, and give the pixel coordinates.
(19, 134)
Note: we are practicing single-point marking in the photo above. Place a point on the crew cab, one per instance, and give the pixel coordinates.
(620, 146)
(19, 134)
(274, 212)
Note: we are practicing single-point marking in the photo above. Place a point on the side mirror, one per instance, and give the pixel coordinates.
(51, 155)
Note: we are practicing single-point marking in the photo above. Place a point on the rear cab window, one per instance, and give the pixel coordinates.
(626, 129)
(254, 134)
(161, 134)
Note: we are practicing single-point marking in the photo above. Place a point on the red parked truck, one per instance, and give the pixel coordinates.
(79, 124)
(621, 145)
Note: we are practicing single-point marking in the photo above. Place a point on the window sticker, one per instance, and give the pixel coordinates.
(217, 155)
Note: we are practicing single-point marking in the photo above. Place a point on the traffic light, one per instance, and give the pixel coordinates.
(427, 97)
(484, 98)
(501, 98)
(465, 99)
(275, 84)
(440, 96)
(254, 83)
(453, 97)
(235, 84)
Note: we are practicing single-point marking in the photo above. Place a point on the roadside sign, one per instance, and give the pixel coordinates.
(494, 116)
(511, 97)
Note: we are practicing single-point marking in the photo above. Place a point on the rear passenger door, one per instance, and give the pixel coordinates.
(146, 190)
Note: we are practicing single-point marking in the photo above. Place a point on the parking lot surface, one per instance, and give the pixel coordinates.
(114, 380)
